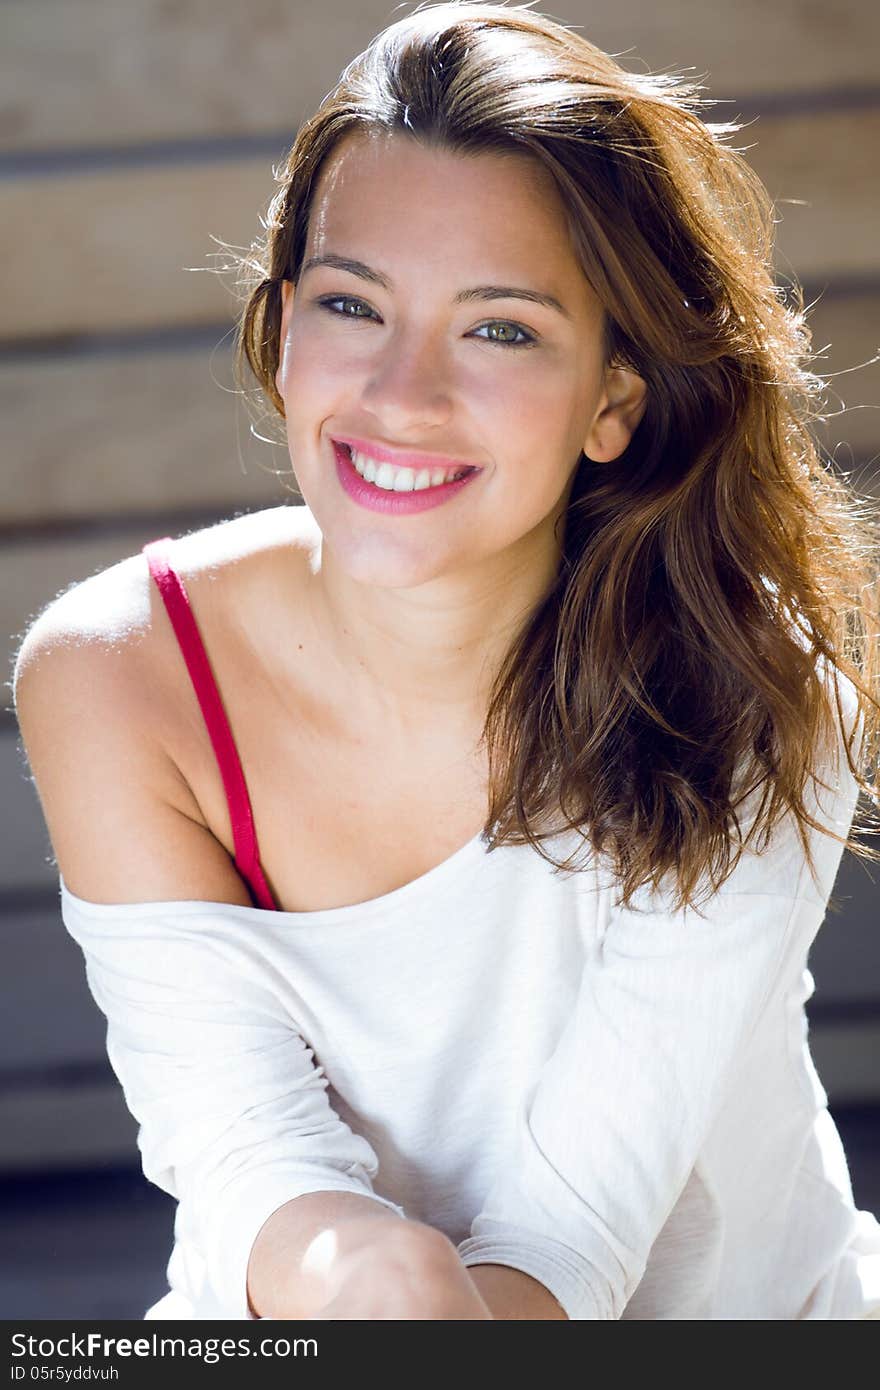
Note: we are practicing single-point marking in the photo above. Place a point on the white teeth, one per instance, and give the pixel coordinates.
(385, 476)
(393, 479)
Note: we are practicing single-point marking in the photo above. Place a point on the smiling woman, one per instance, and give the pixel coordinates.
(557, 711)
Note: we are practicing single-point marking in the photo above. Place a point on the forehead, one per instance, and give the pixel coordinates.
(370, 153)
(384, 191)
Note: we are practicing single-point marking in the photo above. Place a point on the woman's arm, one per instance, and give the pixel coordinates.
(296, 1260)
(510, 1294)
(338, 1255)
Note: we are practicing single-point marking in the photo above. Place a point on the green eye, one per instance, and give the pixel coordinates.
(329, 300)
(526, 338)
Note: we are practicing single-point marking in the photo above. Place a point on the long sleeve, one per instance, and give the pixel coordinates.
(233, 1114)
(607, 1137)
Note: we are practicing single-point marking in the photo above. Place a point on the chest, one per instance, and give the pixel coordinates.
(342, 812)
(341, 822)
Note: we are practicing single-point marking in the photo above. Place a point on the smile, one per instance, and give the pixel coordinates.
(395, 489)
(395, 478)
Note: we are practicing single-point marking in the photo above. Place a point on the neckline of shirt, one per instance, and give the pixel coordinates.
(349, 912)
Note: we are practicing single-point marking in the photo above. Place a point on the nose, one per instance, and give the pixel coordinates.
(408, 385)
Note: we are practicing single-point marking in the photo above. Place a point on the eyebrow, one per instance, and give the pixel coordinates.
(365, 272)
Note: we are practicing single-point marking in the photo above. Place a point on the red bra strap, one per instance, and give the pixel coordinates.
(176, 599)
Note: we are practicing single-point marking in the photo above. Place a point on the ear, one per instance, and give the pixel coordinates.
(621, 407)
(287, 295)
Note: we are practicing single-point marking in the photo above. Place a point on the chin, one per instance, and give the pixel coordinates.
(378, 560)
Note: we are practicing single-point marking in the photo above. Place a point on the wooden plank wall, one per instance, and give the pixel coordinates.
(134, 139)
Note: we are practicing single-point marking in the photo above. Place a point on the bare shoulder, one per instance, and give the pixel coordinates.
(97, 687)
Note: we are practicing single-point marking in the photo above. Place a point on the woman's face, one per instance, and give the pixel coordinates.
(410, 353)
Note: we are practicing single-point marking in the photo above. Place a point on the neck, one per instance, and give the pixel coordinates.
(428, 655)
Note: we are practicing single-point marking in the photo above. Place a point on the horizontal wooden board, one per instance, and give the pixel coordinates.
(845, 956)
(814, 168)
(51, 1025)
(85, 1246)
(124, 250)
(846, 337)
(45, 1128)
(132, 432)
(85, 72)
(26, 859)
(133, 249)
(845, 1056)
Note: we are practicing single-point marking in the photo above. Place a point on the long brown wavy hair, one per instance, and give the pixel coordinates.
(715, 570)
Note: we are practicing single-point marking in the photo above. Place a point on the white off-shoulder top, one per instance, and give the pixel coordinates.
(620, 1102)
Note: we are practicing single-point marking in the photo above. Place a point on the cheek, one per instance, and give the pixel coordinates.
(310, 366)
(546, 414)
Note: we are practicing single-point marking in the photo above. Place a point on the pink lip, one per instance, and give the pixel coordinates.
(391, 503)
(383, 454)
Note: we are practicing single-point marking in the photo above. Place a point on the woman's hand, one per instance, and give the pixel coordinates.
(415, 1275)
